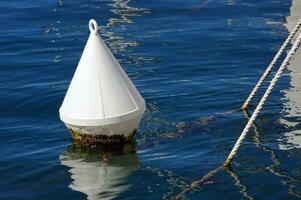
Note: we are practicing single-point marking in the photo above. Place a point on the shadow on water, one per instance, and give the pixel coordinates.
(100, 173)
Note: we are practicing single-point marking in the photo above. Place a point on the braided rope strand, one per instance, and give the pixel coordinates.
(272, 64)
(263, 100)
(251, 120)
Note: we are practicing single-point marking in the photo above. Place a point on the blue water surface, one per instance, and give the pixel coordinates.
(193, 61)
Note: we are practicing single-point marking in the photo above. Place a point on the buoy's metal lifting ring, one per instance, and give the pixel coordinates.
(93, 26)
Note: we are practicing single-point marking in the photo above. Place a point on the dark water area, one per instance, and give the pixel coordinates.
(193, 61)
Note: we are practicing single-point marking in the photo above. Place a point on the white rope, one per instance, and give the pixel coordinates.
(251, 120)
(263, 100)
(272, 64)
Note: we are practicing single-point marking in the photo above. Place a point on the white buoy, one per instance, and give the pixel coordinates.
(101, 101)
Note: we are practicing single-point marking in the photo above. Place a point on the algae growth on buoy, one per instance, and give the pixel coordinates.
(101, 104)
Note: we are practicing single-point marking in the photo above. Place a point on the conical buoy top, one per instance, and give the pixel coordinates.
(100, 92)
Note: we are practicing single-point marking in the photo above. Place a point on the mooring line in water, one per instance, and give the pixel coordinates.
(198, 183)
(272, 64)
(182, 128)
(216, 116)
(238, 182)
(208, 176)
(263, 100)
(258, 108)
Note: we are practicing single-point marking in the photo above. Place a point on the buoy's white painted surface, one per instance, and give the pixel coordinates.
(101, 95)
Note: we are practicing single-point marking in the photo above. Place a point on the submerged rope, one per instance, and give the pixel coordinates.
(263, 100)
(270, 67)
(198, 183)
(251, 120)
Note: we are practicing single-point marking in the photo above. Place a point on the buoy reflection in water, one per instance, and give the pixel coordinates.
(98, 174)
